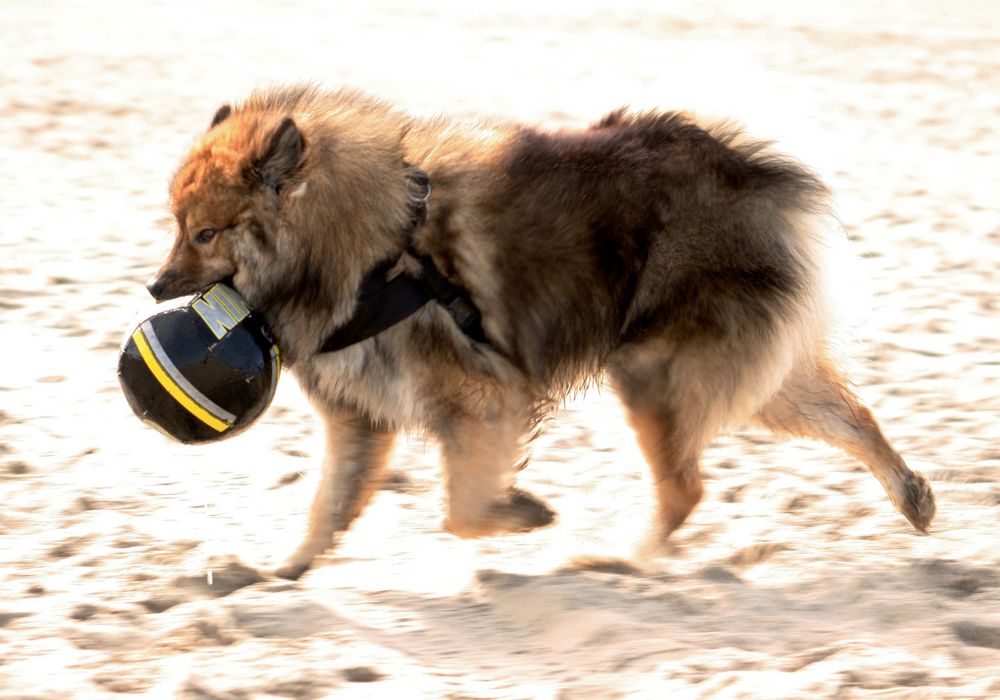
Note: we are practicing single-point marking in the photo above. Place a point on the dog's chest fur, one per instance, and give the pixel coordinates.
(365, 377)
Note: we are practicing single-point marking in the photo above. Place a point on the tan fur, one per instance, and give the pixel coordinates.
(683, 263)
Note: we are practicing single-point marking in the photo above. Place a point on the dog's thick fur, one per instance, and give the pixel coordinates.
(681, 262)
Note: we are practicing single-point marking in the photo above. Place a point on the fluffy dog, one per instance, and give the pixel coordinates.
(681, 262)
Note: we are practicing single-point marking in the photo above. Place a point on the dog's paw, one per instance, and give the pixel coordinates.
(300, 561)
(917, 501)
(292, 570)
(657, 543)
(521, 512)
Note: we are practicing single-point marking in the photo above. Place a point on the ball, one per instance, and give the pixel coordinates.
(200, 371)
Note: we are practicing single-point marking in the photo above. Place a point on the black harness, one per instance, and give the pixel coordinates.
(384, 303)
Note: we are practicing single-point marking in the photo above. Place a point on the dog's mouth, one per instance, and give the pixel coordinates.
(164, 288)
(230, 281)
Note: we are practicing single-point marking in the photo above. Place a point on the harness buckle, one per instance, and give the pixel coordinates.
(464, 313)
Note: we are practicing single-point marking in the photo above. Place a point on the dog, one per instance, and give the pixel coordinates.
(682, 263)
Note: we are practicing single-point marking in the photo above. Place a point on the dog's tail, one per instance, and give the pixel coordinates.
(818, 323)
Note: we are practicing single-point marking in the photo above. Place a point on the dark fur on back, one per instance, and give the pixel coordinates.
(581, 215)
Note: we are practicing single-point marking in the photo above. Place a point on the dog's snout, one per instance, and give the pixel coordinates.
(156, 286)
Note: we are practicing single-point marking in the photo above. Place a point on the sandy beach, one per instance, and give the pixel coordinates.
(131, 566)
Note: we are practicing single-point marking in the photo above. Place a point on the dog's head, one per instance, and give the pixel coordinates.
(226, 198)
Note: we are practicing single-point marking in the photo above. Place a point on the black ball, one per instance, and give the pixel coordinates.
(202, 371)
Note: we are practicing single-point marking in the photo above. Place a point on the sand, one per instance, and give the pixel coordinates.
(134, 567)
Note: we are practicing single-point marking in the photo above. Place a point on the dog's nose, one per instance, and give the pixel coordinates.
(156, 285)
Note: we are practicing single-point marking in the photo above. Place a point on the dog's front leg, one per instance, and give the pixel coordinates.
(480, 458)
(356, 452)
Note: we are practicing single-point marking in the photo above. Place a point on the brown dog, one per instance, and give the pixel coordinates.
(679, 261)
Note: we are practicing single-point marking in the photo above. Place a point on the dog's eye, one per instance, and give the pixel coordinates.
(205, 235)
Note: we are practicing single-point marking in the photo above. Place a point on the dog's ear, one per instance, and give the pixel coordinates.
(220, 116)
(283, 155)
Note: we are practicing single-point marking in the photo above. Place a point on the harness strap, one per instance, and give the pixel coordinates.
(382, 304)
(452, 298)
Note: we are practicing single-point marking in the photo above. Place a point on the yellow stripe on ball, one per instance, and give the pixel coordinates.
(171, 386)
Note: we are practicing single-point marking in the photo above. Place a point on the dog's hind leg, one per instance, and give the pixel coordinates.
(480, 461)
(673, 458)
(679, 394)
(356, 453)
(815, 402)
(672, 426)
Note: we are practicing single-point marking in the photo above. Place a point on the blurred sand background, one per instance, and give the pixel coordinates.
(794, 578)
